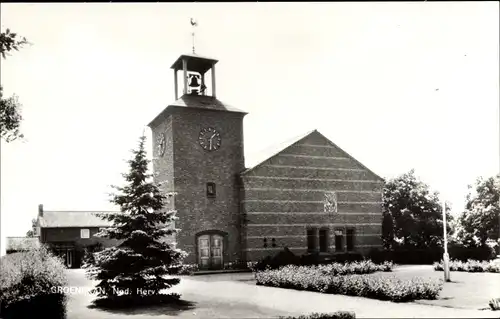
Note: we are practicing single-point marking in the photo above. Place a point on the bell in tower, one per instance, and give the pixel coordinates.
(194, 85)
(194, 70)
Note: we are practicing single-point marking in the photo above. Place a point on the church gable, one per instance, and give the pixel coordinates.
(313, 157)
(310, 185)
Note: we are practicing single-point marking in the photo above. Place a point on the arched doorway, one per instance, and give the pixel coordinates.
(210, 251)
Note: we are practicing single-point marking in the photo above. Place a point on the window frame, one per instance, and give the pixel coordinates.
(210, 194)
(353, 241)
(325, 247)
(341, 236)
(312, 239)
(82, 232)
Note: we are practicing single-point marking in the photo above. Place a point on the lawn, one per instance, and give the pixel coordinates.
(467, 290)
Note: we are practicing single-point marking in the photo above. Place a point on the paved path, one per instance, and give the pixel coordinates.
(234, 296)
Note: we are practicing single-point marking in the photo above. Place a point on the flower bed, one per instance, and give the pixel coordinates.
(357, 267)
(470, 266)
(316, 279)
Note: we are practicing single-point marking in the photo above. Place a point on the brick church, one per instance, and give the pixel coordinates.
(309, 195)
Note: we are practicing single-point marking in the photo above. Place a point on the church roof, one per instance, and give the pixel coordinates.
(204, 102)
(257, 158)
(58, 219)
(263, 156)
(200, 102)
(195, 62)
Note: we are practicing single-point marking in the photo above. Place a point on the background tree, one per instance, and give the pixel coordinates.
(480, 219)
(414, 212)
(388, 230)
(143, 259)
(10, 115)
(32, 231)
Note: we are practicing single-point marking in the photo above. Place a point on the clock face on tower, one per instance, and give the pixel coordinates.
(161, 144)
(209, 139)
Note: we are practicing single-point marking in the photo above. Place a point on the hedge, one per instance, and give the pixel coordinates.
(382, 288)
(27, 285)
(358, 268)
(286, 257)
(470, 266)
(431, 255)
(335, 315)
(494, 304)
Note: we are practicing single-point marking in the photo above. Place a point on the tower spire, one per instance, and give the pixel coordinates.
(193, 24)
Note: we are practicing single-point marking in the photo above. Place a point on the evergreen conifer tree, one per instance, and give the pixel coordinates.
(143, 263)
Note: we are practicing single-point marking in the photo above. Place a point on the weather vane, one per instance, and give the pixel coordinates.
(193, 24)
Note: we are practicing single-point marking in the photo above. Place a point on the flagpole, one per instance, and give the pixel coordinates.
(446, 257)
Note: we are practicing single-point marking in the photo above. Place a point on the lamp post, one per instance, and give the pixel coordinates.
(446, 257)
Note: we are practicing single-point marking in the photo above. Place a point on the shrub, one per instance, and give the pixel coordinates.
(286, 257)
(335, 315)
(283, 258)
(321, 259)
(88, 254)
(188, 269)
(315, 279)
(347, 257)
(495, 304)
(458, 251)
(237, 265)
(469, 266)
(361, 267)
(401, 255)
(251, 265)
(29, 281)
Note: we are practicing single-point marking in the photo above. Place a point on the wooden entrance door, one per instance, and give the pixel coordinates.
(210, 251)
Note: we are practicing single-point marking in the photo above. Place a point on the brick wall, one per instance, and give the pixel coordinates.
(284, 196)
(163, 165)
(72, 234)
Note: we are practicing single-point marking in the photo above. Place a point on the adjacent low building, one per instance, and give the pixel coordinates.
(69, 233)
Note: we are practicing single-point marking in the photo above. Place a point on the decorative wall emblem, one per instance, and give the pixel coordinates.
(330, 203)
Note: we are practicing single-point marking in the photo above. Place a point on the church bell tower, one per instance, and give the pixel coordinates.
(198, 153)
(194, 69)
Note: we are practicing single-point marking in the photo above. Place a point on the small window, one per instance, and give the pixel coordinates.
(273, 241)
(311, 239)
(265, 242)
(350, 239)
(323, 240)
(339, 245)
(84, 233)
(211, 190)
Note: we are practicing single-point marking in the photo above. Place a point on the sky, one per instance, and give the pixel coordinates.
(396, 85)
